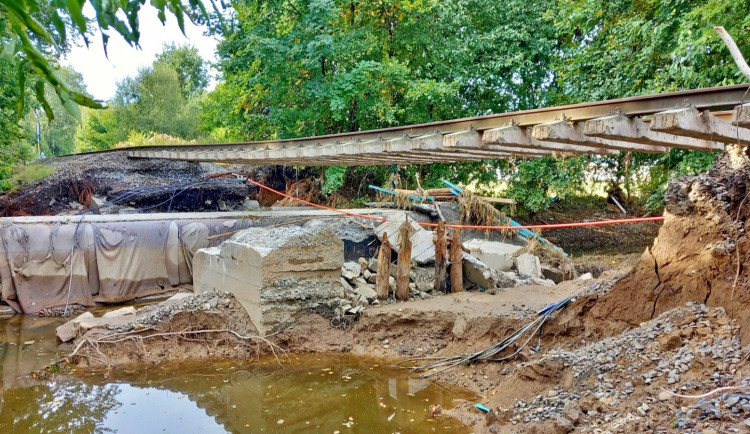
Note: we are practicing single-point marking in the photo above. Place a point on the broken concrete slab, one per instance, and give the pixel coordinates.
(275, 273)
(528, 265)
(129, 310)
(423, 247)
(477, 272)
(495, 254)
(351, 270)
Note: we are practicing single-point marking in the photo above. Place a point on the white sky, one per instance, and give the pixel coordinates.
(101, 74)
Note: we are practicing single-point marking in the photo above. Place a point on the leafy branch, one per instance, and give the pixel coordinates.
(25, 38)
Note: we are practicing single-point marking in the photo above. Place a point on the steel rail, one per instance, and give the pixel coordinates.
(719, 98)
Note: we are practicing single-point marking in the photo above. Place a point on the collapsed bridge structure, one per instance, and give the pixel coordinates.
(47, 262)
(699, 119)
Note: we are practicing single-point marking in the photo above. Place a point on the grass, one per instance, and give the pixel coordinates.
(29, 174)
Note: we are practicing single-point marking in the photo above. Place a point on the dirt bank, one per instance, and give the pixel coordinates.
(699, 254)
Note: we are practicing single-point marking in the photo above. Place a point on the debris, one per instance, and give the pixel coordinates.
(482, 408)
(497, 255)
(528, 265)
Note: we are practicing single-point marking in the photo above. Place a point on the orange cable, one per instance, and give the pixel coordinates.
(478, 227)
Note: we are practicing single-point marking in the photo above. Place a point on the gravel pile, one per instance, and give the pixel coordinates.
(631, 378)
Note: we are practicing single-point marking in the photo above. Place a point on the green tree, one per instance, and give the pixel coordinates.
(153, 101)
(192, 70)
(35, 32)
(58, 133)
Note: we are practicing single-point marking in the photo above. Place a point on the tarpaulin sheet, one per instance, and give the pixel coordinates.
(111, 262)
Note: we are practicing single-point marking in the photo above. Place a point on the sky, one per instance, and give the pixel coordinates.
(101, 74)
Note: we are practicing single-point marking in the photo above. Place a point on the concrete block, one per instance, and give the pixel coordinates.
(275, 273)
(477, 272)
(528, 265)
(422, 245)
(495, 254)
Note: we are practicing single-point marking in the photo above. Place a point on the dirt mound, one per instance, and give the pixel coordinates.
(148, 185)
(698, 256)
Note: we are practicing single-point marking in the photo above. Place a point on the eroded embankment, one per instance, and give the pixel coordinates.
(612, 360)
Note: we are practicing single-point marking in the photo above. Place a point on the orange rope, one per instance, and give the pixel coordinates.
(455, 226)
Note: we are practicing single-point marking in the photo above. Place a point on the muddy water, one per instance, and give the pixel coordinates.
(311, 393)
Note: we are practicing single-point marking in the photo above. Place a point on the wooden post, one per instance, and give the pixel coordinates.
(384, 269)
(404, 262)
(441, 264)
(457, 263)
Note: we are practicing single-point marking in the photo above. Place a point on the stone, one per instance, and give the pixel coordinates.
(426, 286)
(222, 205)
(350, 270)
(276, 274)
(477, 272)
(367, 292)
(731, 401)
(497, 255)
(250, 205)
(367, 274)
(527, 265)
(130, 310)
(347, 287)
(585, 276)
(67, 332)
(664, 395)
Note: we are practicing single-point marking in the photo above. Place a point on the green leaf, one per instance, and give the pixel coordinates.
(21, 73)
(69, 103)
(39, 88)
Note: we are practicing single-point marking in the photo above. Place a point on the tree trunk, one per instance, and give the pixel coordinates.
(384, 269)
(457, 263)
(441, 265)
(404, 264)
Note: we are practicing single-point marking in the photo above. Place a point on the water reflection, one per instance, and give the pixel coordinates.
(323, 393)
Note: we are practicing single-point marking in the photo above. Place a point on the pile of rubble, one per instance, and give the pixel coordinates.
(358, 286)
(631, 381)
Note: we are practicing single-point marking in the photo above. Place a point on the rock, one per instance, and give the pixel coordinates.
(347, 287)
(747, 421)
(392, 284)
(527, 265)
(731, 401)
(350, 270)
(426, 286)
(222, 205)
(367, 274)
(67, 332)
(586, 276)
(497, 255)
(477, 272)
(664, 396)
(367, 292)
(250, 205)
